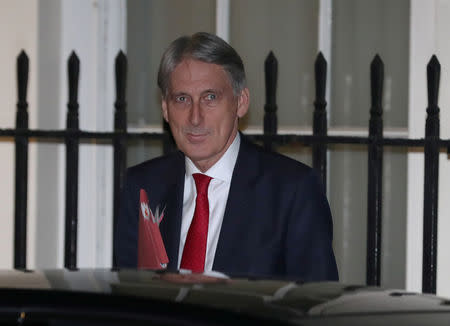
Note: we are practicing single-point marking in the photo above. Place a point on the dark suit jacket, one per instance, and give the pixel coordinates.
(277, 221)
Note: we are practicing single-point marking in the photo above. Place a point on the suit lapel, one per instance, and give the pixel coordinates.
(235, 224)
(171, 224)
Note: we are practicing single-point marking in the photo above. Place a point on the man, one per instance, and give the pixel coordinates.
(229, 205)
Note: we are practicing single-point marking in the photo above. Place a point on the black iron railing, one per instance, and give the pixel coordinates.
(319, 141)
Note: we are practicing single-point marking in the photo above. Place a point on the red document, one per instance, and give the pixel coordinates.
(151, 251)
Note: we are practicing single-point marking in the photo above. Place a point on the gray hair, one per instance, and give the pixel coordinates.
(204, 47)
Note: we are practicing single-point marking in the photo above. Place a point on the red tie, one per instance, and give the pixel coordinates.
(194, 251)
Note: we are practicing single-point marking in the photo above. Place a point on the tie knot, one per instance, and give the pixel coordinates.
(201, 182)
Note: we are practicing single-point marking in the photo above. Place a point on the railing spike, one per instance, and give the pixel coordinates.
(270, 108)
(121, 79)
(271, 74)
(73, 68)
(22, 78)
(433, 75)
(320, 68)
(376, 84)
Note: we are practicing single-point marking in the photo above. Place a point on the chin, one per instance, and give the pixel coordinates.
(196, 156)
(197, 150)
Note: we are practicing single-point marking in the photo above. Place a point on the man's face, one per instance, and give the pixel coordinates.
(203, 111)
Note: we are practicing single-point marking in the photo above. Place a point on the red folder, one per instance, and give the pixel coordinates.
(151, 251)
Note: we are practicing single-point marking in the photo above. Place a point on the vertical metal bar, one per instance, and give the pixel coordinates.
(270, 108)
(21, 151)
(72, 148)
(320, 118)
(120, 141)
(430, 200)
(375, 168)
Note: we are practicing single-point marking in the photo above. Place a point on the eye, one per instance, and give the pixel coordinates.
(182, 99)
(210, 97)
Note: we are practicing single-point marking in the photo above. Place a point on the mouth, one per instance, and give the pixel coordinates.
(196, 138)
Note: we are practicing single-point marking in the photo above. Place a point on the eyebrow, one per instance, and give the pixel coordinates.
(212, 90)
(171, 94)
(209, 90)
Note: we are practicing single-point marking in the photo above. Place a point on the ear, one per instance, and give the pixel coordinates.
(243, 102)
(164, 109)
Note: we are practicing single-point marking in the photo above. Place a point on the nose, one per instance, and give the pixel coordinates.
(196, 114)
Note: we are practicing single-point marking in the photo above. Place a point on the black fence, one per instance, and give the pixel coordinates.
(319, 140)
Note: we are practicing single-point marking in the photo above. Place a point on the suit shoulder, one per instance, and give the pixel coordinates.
(283, 169)
(157, 166)
(279, 163)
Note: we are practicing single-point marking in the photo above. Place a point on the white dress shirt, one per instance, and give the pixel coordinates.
(218, 190)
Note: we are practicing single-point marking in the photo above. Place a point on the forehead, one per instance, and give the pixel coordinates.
(191, 75)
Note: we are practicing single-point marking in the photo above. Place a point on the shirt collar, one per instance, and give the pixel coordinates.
(223, 168)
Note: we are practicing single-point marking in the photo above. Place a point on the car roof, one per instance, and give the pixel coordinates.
(263, 299)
